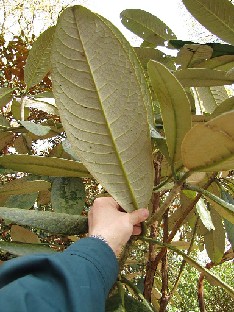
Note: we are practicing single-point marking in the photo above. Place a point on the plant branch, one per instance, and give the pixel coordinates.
(164, 270)
(200, 293)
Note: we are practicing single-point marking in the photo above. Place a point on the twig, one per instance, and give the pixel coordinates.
(200, 293)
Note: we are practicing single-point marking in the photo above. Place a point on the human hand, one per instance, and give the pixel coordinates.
(114, 226)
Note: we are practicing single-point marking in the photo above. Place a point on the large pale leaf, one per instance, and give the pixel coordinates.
(55, 223)
(68, 195)
(5, 96)
(38, 61)
(215, 15)
(146, 26)
(210, 97)
(215, 239)
(20, 186)
(48, 166)
(22, 249)
(204, 215)
(203, 77)
(210, 146)
(101, 93)
(45, 104)
(174, 106)
(224, 107)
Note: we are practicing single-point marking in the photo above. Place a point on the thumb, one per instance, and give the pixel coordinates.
(138, 216)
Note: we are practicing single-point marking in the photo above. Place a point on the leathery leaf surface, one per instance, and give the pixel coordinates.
(102, 96)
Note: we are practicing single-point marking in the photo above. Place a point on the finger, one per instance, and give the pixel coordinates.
(136, 230)
(138, 216)
(103, 202)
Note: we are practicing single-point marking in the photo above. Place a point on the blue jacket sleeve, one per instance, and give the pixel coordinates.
(77, 279)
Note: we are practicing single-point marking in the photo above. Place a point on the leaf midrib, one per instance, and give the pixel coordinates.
(109, 130)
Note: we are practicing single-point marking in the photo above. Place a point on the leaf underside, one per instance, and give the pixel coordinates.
(102, 96)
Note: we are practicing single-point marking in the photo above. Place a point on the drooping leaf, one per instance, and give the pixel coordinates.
(203, 77)
(5, 139)
(38, 61)
(204, 215)
(215, 239)
(146, 26)
(68, 195)
(21, 186)
(174, 106)
(23, 201)
(55, 223)
(215, 15)
(20, 234)
(224, 107)
(22, 144)
(210, 97)
(42, 104)
(16, 110)
(36, 129)
(228, 225)
(21, 249)
(101, 100)
(5, 96)
(191, 55)
(48, 166)
(210, 146)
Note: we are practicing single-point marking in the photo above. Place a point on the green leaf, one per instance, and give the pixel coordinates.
(210, 97)
(191, 55)
(22, 201)
(224, 62)
(36, 129)
(146, 26)
(16, 110)
(68, 195)
(38, 61)
(101, 100)
(204, 215)
(5, 96)
(215, 239)
(228, 225)
(114, 304)
(54, 223)
(22, 249)
(210, 146)
(226, 210)
(174, 106)
(20, 186)
(224, 107)
(48, 166)
(203, 77)
(5, 139)
(215, 15)
(146, 54)
(4, 122)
